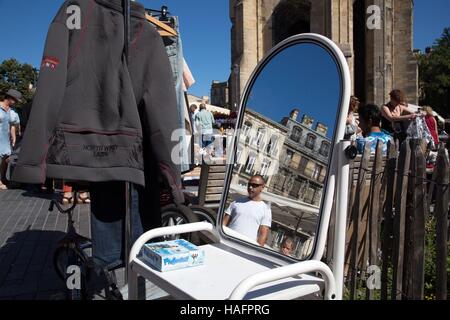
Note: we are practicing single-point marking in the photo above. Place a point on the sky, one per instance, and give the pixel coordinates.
(304, 76)
(205, 31)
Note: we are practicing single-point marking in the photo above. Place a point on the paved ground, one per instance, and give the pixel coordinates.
(28, 235)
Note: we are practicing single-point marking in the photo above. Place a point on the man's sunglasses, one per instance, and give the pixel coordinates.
(255, 185)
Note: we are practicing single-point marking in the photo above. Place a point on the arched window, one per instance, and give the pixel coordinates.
(325, 149)
(296, 134)
(311, 141)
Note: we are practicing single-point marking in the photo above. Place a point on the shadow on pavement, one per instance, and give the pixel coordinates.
(27, 271)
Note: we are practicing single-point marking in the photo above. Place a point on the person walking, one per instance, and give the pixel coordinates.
(8, 123)
(206, 120)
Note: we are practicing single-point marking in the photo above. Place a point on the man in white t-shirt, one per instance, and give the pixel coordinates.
(250, 216)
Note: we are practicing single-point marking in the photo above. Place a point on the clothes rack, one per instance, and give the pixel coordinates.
(128, 231)
(164, 23)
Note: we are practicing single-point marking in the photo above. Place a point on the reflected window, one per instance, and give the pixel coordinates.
(303, 165)
(325, 149)
(311, 141)
(296, 134)
(250, 164)
(279, 181)
(260, 137)
(238, 157)
(295, 189)
(317, 171)
(265, 168)
(313, 195)
(288, 157)
(246, 129)
(272, 146)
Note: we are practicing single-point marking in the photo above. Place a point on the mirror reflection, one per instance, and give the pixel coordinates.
(283, 151)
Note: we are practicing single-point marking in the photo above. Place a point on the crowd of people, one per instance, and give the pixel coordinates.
(395, 120)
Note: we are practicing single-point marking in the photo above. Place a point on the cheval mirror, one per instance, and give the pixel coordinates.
(287, 130)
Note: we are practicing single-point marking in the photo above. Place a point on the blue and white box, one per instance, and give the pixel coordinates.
(172, 255)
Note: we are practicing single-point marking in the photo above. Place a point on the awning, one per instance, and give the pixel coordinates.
(214, 109)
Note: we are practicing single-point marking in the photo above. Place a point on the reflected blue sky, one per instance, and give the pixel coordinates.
(303, 76)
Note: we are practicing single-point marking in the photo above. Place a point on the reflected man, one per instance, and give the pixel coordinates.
(250, 216)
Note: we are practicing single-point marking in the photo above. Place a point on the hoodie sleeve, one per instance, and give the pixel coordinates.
(31, 167)
(161, 119)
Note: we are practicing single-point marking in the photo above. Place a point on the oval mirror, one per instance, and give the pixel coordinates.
(274, 195)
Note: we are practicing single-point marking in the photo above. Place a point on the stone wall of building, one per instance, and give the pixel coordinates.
(379, 60)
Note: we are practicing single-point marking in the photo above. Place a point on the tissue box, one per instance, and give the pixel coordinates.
(172, 255)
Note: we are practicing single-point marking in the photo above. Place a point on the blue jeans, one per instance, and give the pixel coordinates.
(108, 220)
(174, 48)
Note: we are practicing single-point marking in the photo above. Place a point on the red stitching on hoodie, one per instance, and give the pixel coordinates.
(138, 35)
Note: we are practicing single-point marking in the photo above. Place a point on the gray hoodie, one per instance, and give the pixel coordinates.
(94, 118)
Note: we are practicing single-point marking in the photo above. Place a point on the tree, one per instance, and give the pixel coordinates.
(434, 74)
(15, 75)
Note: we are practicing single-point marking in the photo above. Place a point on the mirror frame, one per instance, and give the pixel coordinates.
(338, 135)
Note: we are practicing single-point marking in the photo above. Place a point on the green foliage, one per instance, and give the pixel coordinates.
(434, 74)
(15, 75)
(429, 271)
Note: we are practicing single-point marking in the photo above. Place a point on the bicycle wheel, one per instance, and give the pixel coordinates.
(174, 215)
(204, 214)
(207, 215)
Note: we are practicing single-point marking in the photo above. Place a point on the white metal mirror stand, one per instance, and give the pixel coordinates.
(333, 279)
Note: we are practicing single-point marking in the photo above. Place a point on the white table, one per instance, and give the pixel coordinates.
(230, 274)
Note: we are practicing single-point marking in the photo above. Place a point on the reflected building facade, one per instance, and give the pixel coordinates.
(292, 156)
(304, 161)
(259, 149)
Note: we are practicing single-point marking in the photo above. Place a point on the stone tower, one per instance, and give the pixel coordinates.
(380, 59)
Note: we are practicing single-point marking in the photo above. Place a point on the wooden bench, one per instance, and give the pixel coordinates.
(212, 180)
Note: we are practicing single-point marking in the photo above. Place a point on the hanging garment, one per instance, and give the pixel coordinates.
(188, 78)
(419, 130)
(94, 118)
(174, 48)
(432, 127)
